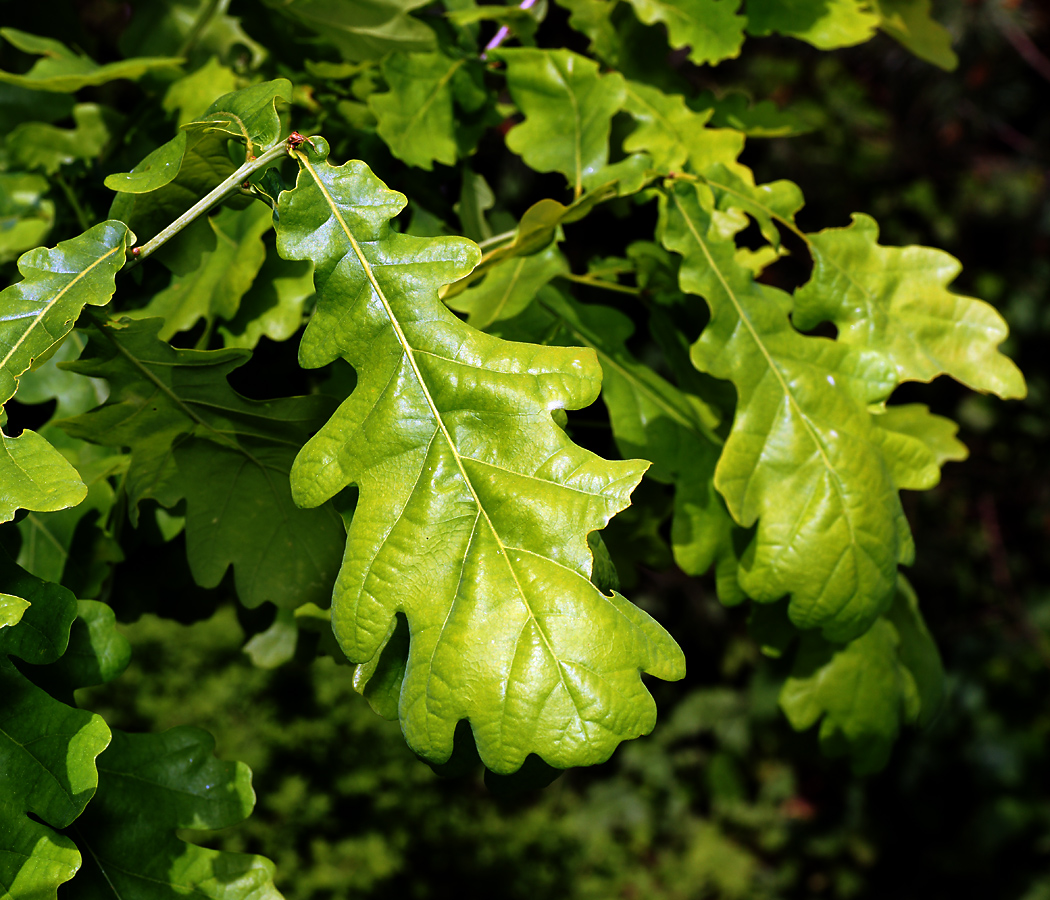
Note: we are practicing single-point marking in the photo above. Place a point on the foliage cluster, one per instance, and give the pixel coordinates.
(443, 484)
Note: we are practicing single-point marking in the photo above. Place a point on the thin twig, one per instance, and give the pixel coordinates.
(504, 31)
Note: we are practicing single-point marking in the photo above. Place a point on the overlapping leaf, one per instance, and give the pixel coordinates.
(150, 785)
(803, 457)
(568, 108)
(895, 300)
(909, 22)
(361, 29)
(862, 692)
(191, 434)
(25, 216)
(672, 134)
(61, 69)
(711, 30)
(825, 24)
(916, 443)
(47, 749)
(39, 145)
(474, 506)
(415, 116)
(37, 312)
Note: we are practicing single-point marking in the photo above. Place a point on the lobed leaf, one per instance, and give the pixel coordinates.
(803, 457)
(63, 70)
(361, 29)
(672, 134)
(474, 506)
(47, 749)
(160, 399)
(568, 108)
(909, 22)
(25, 216)
(826, 24)
(710, 30)
(895, 300)
(415, 116)
(149, 786)
(916, 444)
(862, 692)
(39, 145)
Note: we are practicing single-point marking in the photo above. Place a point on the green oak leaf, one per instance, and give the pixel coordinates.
(895, 300)
(672, 134)
(826, 24)
(415, 116)
(803, 457)
(509, 287)
(863, 691)
(149, 786)
(166, 26)
(917, 443)
(11, 609)
(474, 506)
(651, 419)
(25, 216)
(909, 22)
(38, 145)
(249, 115)
(191, 95)
(361, 29)
(191, 434)
(39, 311)
(213, 290)
(63, 70)
(47, 749)
(710, 30)
(767, 204)
(275, 304)
(593, 18)
(568, 108)
(762, 119)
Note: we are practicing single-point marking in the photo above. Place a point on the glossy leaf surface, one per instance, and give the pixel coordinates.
(474, 506)
(803, 458)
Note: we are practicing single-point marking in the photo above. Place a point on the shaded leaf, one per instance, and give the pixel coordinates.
(160, 398)
(276, 645)
(895, 300)
(213, 290)
(862, 692)
(275, 304)
(149, 786)
(568, 108)
(710, 30)
(47, 749)
(594, 19)
(509, 287)
(25, 216)
(762, 119)
(63, 70)
(803, 458)
(361, 29)
(910, 23)
(415, 116)
(469, 491)
(192, 94)
(826, 24)
(38, 145)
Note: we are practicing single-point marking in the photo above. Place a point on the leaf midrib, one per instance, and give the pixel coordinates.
(409, 352)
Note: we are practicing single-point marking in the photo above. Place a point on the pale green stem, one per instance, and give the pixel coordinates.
(600, 283)
(498, 238)
(214, 196)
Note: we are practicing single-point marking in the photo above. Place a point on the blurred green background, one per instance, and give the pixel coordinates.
(724, 800)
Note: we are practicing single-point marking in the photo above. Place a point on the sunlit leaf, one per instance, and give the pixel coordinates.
(825, 24)
(38, 145)
(469, 492)
(803, 458)
(917, 443)
(710, 30)
(895, 300)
